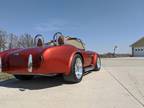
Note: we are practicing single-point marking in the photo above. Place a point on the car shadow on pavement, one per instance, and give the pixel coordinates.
(39, 82)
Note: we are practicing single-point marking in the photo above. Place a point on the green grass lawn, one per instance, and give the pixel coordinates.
(5, 76)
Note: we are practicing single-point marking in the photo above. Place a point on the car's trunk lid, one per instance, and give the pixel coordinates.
(19, 58)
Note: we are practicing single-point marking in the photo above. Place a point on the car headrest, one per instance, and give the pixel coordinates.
(61, 40)
(39, 43)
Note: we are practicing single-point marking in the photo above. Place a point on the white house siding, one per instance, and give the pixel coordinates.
(139, 51)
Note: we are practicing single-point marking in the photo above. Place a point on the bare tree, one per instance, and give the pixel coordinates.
(9, 41)
(3, 40)
(13, 41)
(25, 41)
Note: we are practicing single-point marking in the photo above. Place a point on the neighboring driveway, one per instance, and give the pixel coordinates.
(119, 84)
(129, 73)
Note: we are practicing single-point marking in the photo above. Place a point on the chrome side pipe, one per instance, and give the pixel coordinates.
(30, 62)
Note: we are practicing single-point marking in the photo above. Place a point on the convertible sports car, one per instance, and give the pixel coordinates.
(63, 55)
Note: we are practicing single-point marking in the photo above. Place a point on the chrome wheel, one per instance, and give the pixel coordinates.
(98, 63)
(76, 72)
(78, 68)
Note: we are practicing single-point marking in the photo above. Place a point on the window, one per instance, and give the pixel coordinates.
(139, 49)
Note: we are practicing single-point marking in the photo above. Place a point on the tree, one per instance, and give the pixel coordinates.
(25, 41)
(10, 41)
(13, 41)
(3, 40)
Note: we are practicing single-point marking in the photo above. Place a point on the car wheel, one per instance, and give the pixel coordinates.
(98, 64)
(23, 77)
(76, 73)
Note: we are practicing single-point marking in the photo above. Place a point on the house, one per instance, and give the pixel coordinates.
(138, 48)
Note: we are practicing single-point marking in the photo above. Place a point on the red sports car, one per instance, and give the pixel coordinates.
(63, 55)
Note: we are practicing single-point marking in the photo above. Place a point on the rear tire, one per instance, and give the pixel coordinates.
(98, 64)
(76, 73)
(23, 77)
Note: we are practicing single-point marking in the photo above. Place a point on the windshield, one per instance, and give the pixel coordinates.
(69, 41)
(75, 42)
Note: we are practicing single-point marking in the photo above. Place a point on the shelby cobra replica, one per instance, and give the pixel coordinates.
(63, 55)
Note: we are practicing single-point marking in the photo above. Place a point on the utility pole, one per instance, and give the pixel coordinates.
(114, 53)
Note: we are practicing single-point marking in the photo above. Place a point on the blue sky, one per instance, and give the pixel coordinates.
(102, 24)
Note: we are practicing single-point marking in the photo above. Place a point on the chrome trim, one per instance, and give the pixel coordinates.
(0, 64)
(89, 68)
(30, 62)
(16, 54)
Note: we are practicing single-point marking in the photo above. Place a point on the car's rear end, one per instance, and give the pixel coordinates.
(37, 61)
(21, 61)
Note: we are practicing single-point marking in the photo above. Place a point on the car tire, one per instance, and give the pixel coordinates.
(76, 73)
(23, 77)
(98, 64)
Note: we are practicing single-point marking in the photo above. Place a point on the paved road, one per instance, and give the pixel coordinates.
(119, 84)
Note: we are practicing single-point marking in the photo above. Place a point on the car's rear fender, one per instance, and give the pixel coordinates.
(57, 59)
(71, 60)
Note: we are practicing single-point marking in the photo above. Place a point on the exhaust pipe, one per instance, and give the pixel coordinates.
(30, 61)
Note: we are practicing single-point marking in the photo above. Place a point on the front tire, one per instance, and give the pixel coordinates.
(23, 77)
(76, 73)
(98, 64)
